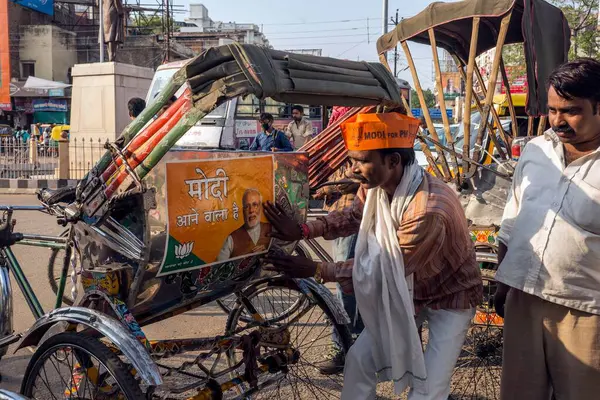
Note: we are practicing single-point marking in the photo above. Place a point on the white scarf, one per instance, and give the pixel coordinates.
(383, 293)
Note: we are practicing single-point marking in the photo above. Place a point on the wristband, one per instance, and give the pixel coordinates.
(318, 276)
(304, 230)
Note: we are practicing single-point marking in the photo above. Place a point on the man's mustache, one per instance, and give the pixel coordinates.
(563, 129)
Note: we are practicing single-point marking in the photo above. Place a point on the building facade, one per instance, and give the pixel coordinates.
(200, 32)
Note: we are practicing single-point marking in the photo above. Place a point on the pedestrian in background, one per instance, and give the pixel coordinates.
(300, 130)
(135, 107)
(270, 139)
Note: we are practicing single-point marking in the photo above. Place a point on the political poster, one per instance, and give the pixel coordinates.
(215, 211)
(5, 103)
(43, 6)
(452, 85)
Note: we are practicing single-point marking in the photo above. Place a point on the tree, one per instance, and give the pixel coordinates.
(151, 24)
(514, 60)
(583, 21)
(429, 99)
(582, 16)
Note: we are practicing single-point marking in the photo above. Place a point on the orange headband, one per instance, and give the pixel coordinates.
(380, 131)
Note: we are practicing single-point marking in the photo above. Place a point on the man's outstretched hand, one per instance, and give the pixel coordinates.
(285, 228)
(293, 266)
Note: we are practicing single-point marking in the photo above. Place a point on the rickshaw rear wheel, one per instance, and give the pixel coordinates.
(310, 338)
(228, 303)
(69, 351)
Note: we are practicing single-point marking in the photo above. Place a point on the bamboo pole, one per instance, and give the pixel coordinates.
(469, 94)
(158, 127)
(137, 124)
(479, 107)
(530, 126)
(492, 86)
(441, 100)
(511, 106)
(495, 117)
(188, 121)
(447, 176)
(542, 125)
(158, 152)
(424, 145)
(139, 153)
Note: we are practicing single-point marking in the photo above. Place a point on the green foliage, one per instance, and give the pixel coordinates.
(583, 20)
(429, 99)
(151, 24)
(585, 37)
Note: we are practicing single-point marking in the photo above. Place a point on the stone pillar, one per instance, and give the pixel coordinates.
(100, 95)
(99, 105)
(64, 164)
(33, 150)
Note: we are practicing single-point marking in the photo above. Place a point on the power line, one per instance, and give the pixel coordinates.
(326, 36)
(315, 31)
(351, 48)
(322, 22)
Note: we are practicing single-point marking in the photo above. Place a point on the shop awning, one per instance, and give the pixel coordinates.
(39, 83)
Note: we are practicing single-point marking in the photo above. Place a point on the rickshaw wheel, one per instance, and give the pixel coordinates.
(308, 328)
(66, 366)
(228, 303)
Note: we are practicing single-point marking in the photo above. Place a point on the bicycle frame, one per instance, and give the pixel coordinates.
(10, 264)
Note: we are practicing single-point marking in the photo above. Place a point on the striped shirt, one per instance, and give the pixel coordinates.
(435, 243)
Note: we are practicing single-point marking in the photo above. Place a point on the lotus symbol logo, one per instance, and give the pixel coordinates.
(183, 250)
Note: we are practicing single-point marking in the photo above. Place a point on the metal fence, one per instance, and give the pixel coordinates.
(33, 159)
(83, 154)
(27, 159)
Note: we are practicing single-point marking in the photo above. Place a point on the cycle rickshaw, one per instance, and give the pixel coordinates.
(119, 228)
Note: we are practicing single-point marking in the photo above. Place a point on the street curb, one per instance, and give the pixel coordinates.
(30, 186)
(17, 191)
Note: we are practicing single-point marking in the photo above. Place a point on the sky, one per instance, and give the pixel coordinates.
(346, 29)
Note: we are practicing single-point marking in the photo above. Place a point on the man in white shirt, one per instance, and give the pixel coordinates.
(300, 130)
(253, 236)
(549, 274)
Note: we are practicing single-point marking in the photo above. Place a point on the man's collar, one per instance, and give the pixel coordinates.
(254, 228)
(551, 136)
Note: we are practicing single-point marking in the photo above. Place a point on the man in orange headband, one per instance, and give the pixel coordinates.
(414, 262)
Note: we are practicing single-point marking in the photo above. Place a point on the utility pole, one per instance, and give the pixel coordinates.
(396, 22)
(167, 30)
(385, 16)
(101, 25)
